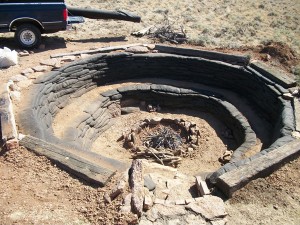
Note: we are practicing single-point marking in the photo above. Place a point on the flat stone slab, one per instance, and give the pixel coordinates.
(24, 83)
(202, 211)
(77, 165)
(159, 211)
(128, 110)
(273, 74)
(190, 219)
(35, 75)
(297, 113)
(40, 68)
(259, 167)
(18, 78)
(49, 62)
(27, 71)
(137, 49)
(209, 207)
(8, 128)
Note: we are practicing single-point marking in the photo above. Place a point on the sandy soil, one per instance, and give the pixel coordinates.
(34, 191)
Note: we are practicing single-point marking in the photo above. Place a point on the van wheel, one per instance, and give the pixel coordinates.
(28, 36)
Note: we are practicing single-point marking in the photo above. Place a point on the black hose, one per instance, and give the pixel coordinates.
(104, 14)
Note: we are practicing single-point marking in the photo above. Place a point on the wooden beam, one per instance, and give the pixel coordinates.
(259, 167)
(212, 55)
(65, 159)
(95, 51)
(136, 180)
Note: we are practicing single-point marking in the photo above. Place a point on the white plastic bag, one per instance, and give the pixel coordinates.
(8, 58)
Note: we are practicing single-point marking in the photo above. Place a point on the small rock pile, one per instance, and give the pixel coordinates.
(162, 195)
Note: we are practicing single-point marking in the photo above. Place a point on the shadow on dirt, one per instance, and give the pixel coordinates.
(101, 39)
(52, 43)
(8, 42)
(47, 43)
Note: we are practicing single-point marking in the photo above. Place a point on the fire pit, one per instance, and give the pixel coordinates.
(248, 100)
(164, 140)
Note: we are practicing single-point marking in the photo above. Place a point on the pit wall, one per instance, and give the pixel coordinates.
(55, 90)
(96, 119)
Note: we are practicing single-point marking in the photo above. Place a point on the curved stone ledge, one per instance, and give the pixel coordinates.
(102, 69)
(55, 90)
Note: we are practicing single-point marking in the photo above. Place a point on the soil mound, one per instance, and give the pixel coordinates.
(281, 51)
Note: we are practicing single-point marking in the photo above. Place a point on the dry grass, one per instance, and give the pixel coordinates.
(218, 23)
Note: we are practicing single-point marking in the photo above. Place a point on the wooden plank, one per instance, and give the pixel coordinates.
(136, 180)
(69, 161)
(202, 186)
(273, 74)
(229, 58)
(260, 167)
(95, 51)
(105, 162)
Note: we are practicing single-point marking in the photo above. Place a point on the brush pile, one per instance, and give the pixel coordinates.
(166, 31)
(164, 137)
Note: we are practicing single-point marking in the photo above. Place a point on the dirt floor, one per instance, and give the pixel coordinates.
(34, 191)
(203, 159)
